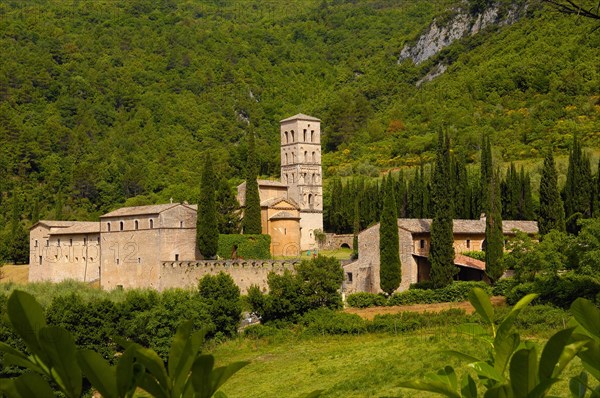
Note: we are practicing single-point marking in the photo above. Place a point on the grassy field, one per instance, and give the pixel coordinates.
(369, 365)
(18, 274)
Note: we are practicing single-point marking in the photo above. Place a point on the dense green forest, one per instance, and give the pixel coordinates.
(105, 103)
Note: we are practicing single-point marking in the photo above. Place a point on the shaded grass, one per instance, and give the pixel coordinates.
(368, 365)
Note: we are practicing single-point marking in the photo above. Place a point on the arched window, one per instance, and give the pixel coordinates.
(310, 199)
(312, 135)
(286, 178)
(286, 138)
(108, 226)
(305, 156)
(121, 225)
(137, 224)
(314, 180)
(314, 157)
(304, 135)
(293, 157)
(292, 178)
(286, 159)
(151, 223)
(292, 135)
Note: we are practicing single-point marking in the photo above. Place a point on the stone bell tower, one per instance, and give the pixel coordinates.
(301, 172)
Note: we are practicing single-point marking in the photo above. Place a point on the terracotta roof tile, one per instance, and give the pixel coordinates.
(80, 227)
(423, 225)
(143, 210)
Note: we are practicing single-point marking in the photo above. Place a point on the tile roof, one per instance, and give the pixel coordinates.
(300, 116)
(143, 210)
(284, 215)
(54, 224)
(79, 227)
(423, 225)
(460, 260)
(265, 183)
(273, 201)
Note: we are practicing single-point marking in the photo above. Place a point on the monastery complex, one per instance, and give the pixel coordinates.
(155, 246)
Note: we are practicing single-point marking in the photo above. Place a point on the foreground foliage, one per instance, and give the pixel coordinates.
(512, 367)
(54, 356)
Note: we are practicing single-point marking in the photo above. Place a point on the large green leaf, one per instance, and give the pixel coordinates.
(201, 372)
(154, 365)
(61, 351)
(220, 375)
(468, 387)
(184, 349)
(27, 318)
(100, 374)
(17, 358)
(127, 376)
(504, 347)
(484, 369)
(507, 323)
(589, 358)
(32, 385)
(481, 302)
(7, 387)
(588, 316)
(431, 386)
(523, 371)
(462, 355)
(499, 391)
(558, 353)
(578, 385)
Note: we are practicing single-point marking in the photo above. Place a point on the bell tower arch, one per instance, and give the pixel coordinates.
(301, 171)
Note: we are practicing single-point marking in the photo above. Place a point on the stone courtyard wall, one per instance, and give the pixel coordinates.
(335, 241)
(245, 273)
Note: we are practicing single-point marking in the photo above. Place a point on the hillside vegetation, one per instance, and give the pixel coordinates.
(107, 103)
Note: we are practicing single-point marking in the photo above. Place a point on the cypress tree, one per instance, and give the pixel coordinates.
(441, 254)
(356, 229)
(251, 222)
(494, 237)
(207, 230)
(526, 211)
(552, 213)
(485, 173)
(577, 191)
(228, 218)
(390, 272)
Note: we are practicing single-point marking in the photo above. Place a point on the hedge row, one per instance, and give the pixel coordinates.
(245, 246)
(456, 291)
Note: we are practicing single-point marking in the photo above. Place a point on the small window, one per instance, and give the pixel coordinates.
(41, 260)
(349, 276)
(117, 261)
(151, 223)
(47, 242)
(310, 199)
(98, 240)
(314, 157)
(304, 135)
(58, 242)
(85, 241)
(121, 224)
(286, 138)
(306, 156)
(292, 134)
(136, 224)
(180, 224)
(285, 231)
(177, 257)
(468, 243)
(36, 243)
(70, 242)
(422, 243)
(108, 226)
(139, 260)
(312, 135)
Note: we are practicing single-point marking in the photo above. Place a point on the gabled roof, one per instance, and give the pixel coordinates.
(275, 201)
(266, 183)
(423, 225)
(53, 224)
(144, 210)
(79, 227)
(460, 260)
(300, 116)
(284, 215)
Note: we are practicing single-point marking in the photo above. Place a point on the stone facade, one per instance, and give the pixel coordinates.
(362, 275)
(337, 241)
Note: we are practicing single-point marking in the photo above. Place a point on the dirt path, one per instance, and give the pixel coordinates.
(369, 313)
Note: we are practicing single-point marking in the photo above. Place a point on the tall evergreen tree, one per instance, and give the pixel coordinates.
(486, 172)
(596, 202)
(441, 254)
(207, 231)
(552, 213)
(577, 190)
(494, 237)
(390, 272)
(228, 218)
(356, 229)
(526, 211)
(251, 222)
(17, 244)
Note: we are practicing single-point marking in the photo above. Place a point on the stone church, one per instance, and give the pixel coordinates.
(155, 246)
(292, 208)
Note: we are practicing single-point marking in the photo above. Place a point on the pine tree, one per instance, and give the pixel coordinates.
(552, 213)
(251, 222)
(390, 272)
(207, 231)
(526, 211)
(494, 237)
(577, 192)
(441, 254)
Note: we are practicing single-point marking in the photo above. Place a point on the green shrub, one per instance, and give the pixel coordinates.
(477, 255)
(456, 291)
(263, 332)
(504, 286)
(559, 291)
(222, 297)
(366, 300)
(245, 246)
(327, 321)
(408, 321)
(425, 285)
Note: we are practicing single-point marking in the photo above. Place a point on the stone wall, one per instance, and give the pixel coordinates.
(245, 273)
(335, 241)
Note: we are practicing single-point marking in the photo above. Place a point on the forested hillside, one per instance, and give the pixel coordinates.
(104, 103)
